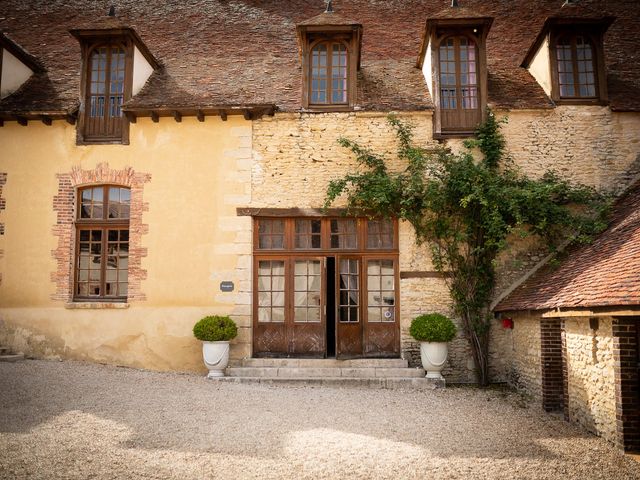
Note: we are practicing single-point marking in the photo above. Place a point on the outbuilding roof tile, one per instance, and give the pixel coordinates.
(604, 273)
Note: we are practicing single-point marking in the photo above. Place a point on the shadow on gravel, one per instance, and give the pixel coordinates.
(190, 414)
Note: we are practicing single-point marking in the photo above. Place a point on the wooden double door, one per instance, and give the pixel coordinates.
(324, 306)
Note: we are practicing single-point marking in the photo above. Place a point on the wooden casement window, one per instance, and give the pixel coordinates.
(328, 75)
(107, 81)
(330, 57)
(286, 247)
(456, 72)
(459, 83)
(461, 91)
(102, 244)
(318, 274)
(577, 67)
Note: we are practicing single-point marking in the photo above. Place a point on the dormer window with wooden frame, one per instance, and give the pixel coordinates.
(116, 64)
(567, 60)
(453, 59)
(330, 54)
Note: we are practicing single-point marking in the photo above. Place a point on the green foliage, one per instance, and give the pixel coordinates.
(432, 327)
(215, 328)
(467, 210)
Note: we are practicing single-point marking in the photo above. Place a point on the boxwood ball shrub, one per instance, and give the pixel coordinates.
(215, 328)
(432, 327)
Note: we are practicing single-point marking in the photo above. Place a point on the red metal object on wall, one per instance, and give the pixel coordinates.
(507, 323)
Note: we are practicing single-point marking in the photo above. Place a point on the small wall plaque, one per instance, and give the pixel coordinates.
(226, 286)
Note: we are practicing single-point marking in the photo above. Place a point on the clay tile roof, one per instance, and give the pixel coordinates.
(19, 52)
(242, 52)
(604, 273)
(457, 12)
(327, 18)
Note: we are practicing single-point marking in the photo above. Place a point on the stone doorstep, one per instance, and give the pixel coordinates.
(323, 362)
(389, 383)
(325, 372)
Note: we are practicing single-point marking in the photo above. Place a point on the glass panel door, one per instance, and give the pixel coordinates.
(381, 327)
(306, 321)
(349, 321)
(269, 307)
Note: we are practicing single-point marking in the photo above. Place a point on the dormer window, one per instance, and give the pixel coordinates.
(459, 86)
(453, 61)
(329, 73)
(567, 60)
(330, 54)
(107, 71)
(116, 65)
(575, 57)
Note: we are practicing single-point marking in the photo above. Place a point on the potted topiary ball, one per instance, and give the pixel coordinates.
(433, 331)
(215, 332)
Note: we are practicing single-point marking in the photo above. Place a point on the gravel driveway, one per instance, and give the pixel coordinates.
(75, 420)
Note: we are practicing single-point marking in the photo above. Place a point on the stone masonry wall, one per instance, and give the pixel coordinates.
(591, 379)
(296, 155)
(589, 144)
(522, 354)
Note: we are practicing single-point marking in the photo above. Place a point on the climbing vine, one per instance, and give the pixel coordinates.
(467, 211)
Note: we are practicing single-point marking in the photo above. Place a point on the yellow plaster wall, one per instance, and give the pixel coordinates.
(200, 173)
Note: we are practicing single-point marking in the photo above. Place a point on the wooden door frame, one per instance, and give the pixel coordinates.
(288, 253)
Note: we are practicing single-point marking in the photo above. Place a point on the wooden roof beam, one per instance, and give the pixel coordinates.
(46, 120)
(155, 118)
(131, 116)
(200, 115)
(223, 115)
(22, 120)
(177, 116)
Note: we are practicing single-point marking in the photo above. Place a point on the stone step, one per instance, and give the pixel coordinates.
(324, 362)
(324, 372)
(390, 383)
(11, 357)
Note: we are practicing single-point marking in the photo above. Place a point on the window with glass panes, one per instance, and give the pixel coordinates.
(328, 76)
(288, 253)
(102, 243)
(576, 68)
(106, 75)
(459, 83)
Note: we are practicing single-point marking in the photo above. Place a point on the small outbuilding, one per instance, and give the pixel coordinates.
(576, 331)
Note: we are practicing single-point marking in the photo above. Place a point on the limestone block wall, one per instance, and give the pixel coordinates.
(589, 144)
(296, 155)
(520, 352)
(590, 375)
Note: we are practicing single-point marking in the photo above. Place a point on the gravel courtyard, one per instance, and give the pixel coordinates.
(75, 420)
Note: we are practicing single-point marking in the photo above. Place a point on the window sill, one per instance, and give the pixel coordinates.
(95, 305)
(581, 101)
(327, 108)
(453, 134)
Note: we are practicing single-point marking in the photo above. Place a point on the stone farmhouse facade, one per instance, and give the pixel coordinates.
(161, 161)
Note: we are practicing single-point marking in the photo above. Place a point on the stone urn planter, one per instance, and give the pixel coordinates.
(433, 356)
(215, 332)
(433, 331)
(216, 357)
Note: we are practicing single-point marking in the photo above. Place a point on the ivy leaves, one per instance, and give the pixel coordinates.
(468, 211)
